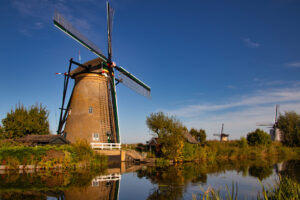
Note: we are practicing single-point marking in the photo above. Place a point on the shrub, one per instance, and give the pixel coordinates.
(243, 142)
(170, 135)
(200, 135)
(289, 125)
(22, 121)
(258, 137)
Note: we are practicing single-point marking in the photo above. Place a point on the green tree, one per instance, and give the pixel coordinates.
(289, 125)
(258, 137)
(261, 172)
(200, 135)
(1, 133)
(22, 121)
(170, 134)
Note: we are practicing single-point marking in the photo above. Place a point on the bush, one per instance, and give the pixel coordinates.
(200, 135)
(23, 121)
(289, 125)
(78, 155)
(243, 142)
(258, 137)
(170, 135)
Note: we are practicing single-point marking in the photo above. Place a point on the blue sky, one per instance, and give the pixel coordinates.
(207, 62)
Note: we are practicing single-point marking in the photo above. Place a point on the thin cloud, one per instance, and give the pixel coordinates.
(249, 43)
(294, 64)
(241, 114)
(239, 123)
(231, 87)
(42, 12)
(258, 98)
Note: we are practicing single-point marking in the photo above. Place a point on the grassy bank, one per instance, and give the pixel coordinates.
(78, 155)
(216, 151)
(237, 150)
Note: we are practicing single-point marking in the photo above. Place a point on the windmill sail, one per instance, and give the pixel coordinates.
(133, 83)
(110, 15)
(264, 124)
(61, 23)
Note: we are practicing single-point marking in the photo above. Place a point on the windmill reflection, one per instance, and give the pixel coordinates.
(102, 187)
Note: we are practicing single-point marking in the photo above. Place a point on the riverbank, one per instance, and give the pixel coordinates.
(15, 156)
(215, 151)
(237, 150)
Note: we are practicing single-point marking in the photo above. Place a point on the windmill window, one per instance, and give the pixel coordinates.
(95, 184)
(95, 136)
(90, 109)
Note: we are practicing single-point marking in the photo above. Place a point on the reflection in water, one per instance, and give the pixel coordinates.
(172, 182)
(102, 187)
(60, 186)
(260, 172)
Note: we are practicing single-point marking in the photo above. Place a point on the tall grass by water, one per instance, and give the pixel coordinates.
(284, 189)
(78, 155)
(237, 150)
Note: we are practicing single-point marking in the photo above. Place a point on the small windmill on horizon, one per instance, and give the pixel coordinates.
(275, 132)
(91, 112)
(222, 135)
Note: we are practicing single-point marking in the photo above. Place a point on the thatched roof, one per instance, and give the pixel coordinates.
(190, 138)
(45, 139)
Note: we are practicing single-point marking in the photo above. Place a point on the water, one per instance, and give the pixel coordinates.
(182, 181)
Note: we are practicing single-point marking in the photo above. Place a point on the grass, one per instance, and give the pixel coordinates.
(78, 155)
(284, 189)
(236, 150)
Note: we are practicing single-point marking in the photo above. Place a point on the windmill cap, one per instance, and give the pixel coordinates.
(93, 63)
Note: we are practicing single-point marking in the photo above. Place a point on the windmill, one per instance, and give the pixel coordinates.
(274, 130)
(222, 135)
(91, 112)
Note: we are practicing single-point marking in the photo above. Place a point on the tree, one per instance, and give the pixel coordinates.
(1, 133)
(169, 131)
(258, 137)
(289, 125)
(260, 172)
(200, 135)
(22, 121)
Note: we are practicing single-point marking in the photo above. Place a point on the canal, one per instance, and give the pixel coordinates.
(179, 181)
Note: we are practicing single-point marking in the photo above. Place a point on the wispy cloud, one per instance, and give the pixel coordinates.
(294, 64)
(231, 87)
(42, 13)
(241, 114)
(249, 43)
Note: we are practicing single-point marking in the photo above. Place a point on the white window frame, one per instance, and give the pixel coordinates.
(96, 138)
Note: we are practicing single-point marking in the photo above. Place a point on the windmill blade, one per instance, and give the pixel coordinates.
(110, 16)
(264, 124)
(222, 128)
(276, 113)
(65, 26)
(133, 83)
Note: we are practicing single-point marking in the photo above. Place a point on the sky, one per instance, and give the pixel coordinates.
(207, 62)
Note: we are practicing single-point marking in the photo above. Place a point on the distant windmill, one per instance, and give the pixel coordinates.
(91, 112)
(274, 131)
(222, 135)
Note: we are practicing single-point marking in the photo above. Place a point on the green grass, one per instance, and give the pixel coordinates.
(237, 150)
(77, 155)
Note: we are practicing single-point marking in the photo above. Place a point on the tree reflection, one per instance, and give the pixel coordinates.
(260, 172)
